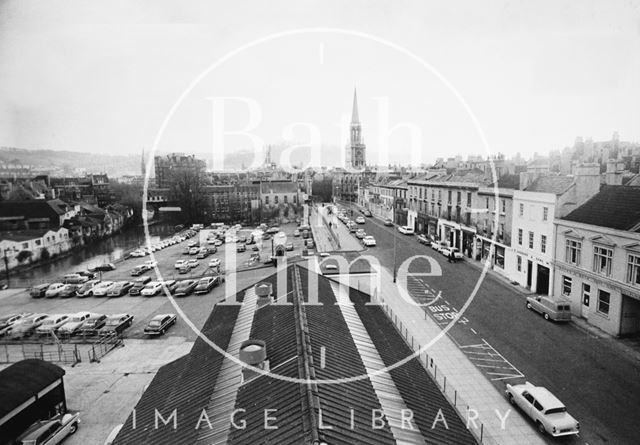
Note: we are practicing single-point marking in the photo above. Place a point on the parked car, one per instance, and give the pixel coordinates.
(69, 290)
(193, 263)
(138, 285)
(423, 239)
(87, 273)
(39, 290)
(448, 251)
(202, 253)
(388, 222)
(273, 230)
(102, 289)
(116, 324)
(51, 324)
(193, 251)
(406, 230)
(138, 253)
(367, 213)
(93, 324)
(120, 288)
(151, 289)
(7, 322)
(26, 325)
(309, 244)
(170, 285)
(435, 245)
(360, 234)
(214, 263)
(50, 432)
(86, 289)
(296, 233)
(54, 290)
(74, 323)
(151, 264)
(549, 414)
(106, 267)
(553, 310)
(185, 287)
(241, 247)
(184, 269)
(205, 284)
(160, 323)
(139, 270)
(288, 246)
(360, 220)
(369, 241)
(74, 278)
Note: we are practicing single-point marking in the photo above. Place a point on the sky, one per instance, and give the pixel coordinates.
(120, 76)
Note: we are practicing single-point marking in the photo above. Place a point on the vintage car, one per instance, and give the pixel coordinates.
(185, 287)
(120, 288)
(448, 251)
(86, 290)
(51, 324)
(138, 285)
(205, 284)
(50, 432)
(548, 413)
(39, 290)
(116, 324)
(369, 241)
(54, 290)
(74, 323)
(152, 289)
(551, 309)
(93, 324)
(159, 324)
(25, 326)
(69, 290)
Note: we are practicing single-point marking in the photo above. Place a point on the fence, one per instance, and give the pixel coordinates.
(450, 393)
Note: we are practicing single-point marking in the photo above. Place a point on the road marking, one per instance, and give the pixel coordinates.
(474, 331)
(473, 346)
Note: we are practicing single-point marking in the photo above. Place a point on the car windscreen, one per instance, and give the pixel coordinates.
(113, 322)
(155, 323)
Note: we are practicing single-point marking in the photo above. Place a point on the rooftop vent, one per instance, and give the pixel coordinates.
(253, 353)
(264, 293)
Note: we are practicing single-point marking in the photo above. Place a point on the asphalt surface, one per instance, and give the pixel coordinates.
(591, 375)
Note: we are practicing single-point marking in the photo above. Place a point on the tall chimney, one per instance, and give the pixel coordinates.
(614, 172)
(587, 182)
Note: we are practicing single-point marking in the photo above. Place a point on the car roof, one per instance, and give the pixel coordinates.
(544, 396)
(161, 316)
(35, 430)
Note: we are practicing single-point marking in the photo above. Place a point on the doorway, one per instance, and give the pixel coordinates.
(586, 298)
(529, 273)
(542, 282)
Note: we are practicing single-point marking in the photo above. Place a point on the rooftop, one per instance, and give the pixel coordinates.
(615, 207)
(557, 185)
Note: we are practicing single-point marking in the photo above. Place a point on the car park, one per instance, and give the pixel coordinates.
(26, 325)
(86, 289)
(551, 309)
(93, 324)
(116, 324)
(151, 289)
(54, 290)
(185, 287)
(369, 241)
(138, 285)
(103, 288)
(159, 324)
(74, 278)
(69, 290)
(74, 323)
(548, 413)
(120, 288)
(205, 284)
(51, 324)
(50, 432)
(406, 230)
(360, 220)
(39, 290)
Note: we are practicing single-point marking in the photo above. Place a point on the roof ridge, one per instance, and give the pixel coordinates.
(310, 399)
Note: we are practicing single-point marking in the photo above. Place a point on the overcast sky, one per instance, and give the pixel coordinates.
(101, 76)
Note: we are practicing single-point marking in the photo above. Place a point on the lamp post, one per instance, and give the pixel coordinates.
(6, 265)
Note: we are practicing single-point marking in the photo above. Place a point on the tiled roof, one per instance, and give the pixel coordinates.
(615, 207)
(278, 187)
(508, 182)
(34, 208)
(23, 380)
(24, 235)
(295, 334)
(551, 184)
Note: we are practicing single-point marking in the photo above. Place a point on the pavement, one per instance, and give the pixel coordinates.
(343, 241)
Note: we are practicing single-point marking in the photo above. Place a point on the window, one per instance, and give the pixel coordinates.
(543, 243)
(38, 242)
(501, 234)
(286, 199)
(633, 269)
(295, 199)
(572, 252)
(545, 213)
(487, 201)
(602, 260)
(604, 301)
(530, 240)
(266, 199)
(468, 199)
(25, 245)
(566, 285)
(449, 195)
(504, 206)
(519, 263)
(499, 258)
(275, 199)
(459, 198)
(520, 237)
(521, 210)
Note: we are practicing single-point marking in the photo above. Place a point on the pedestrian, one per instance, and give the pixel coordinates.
(452, 259)
(450, 256)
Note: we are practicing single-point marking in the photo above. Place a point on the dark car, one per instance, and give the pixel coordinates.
(185, 287)
(52, 431)
(120, 288)
(138, 285)
(86, 273)
(93, 324)
(116, 324)
(206, 284)
(39, 290)
(241, 248)
(139, 270)
(159, 324)
(106, 267)
(69, 290)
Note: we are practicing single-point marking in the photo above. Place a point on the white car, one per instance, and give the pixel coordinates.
(51, 323)
(138, 253)
(151, 263)
(103, 288)
(447, 251)
(152, 289)
(74, 323)
(180, 263)
(369, 241)
(50, 432)
(549, 414)
(54, 290)
(360, 220)
(406, 230)
(214, 262)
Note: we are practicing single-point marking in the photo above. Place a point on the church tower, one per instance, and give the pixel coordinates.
(356, 150)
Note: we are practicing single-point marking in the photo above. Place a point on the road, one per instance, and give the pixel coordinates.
(597, 382)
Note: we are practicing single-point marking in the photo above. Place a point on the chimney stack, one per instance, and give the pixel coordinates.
(613, 175)
(587, 178)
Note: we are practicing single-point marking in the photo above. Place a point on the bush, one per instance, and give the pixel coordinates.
(45, 255)
(24, 255)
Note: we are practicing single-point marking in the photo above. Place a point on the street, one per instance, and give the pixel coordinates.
(511, 344)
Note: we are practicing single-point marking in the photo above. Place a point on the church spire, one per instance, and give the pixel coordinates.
(354, 114)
